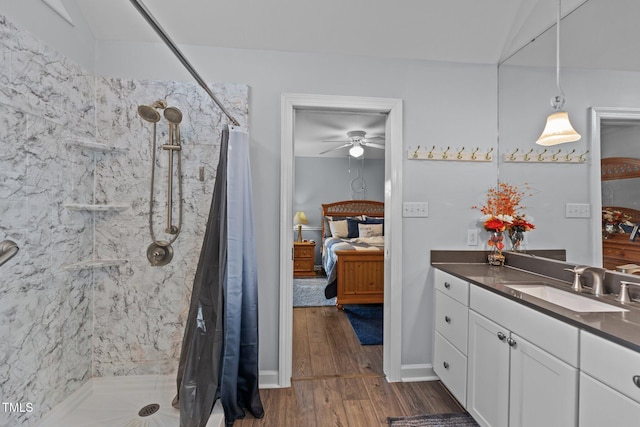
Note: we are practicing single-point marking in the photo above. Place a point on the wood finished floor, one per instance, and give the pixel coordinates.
(339, 383)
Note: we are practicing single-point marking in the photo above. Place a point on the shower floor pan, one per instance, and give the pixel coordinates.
(123, 402)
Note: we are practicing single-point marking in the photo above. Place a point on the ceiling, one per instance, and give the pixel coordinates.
(316, 129)
(471, 31)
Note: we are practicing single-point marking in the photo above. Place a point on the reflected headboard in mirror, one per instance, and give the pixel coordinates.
(620, 168)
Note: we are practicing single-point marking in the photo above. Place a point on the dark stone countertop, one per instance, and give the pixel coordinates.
(620, 327)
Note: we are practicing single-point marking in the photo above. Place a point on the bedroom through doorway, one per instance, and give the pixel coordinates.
(321, 167)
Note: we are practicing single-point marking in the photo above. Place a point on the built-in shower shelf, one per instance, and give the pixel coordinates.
(93, 264)
(97, 208)
(95, 146)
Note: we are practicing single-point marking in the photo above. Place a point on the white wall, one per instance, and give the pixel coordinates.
(445, 104)
(524, 105)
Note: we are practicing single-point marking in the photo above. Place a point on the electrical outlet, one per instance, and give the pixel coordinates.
(577, 210)
(472, 237)
(415, 209)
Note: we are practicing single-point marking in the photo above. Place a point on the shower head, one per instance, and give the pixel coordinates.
(173, 115)
(150, 112)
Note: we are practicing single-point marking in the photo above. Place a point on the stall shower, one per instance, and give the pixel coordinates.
(82, 311)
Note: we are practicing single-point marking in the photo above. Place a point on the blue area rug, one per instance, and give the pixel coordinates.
(366, 321)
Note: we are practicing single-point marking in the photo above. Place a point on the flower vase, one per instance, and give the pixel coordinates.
(516, 237)
(609, 229)
(496, 243)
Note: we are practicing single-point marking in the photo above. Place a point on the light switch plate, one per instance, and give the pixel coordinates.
(577, 210)
(472, 237)
(415, 209)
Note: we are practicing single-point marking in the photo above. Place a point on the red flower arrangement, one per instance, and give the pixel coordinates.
(501, 213)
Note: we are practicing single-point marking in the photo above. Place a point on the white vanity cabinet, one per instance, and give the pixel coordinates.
(609, 383)
(522, 365)
(451, 323)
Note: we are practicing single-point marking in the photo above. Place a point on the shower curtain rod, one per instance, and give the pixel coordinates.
(167, 40)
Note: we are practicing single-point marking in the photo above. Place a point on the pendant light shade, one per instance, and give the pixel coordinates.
(558, 129)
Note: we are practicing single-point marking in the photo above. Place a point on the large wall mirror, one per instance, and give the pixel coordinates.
(600, 72)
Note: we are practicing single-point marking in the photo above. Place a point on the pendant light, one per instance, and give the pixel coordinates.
(558, 129)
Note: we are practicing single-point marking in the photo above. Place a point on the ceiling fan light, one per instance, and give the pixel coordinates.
(558, 130)
(356, 150)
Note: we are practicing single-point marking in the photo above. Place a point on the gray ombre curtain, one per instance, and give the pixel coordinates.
(219, 357)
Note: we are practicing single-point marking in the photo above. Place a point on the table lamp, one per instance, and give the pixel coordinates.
(299, 219)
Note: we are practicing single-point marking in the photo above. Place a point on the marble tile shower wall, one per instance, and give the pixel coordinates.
(58, 327)
(139, 309)
(45, 313)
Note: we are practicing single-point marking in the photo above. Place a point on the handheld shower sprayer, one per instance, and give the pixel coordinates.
(160, 251)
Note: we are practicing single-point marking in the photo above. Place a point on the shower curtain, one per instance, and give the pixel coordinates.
(219, 357)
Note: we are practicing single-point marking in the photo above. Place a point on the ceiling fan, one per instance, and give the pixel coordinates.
(357, 140)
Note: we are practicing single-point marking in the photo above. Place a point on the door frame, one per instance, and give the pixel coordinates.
(597, 114)
(392, 334)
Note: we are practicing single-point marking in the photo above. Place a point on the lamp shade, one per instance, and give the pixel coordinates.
(300, 218)
(356, 150)
(558, 130)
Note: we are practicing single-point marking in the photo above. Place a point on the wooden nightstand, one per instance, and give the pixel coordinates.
(303, 259)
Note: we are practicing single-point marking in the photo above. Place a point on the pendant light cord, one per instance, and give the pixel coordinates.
(558, 101)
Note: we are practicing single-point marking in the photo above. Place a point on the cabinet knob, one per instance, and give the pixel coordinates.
(511, 342)
(501, 336)
(447, 319)
(636, 380)
(446, 365)
(447, 285)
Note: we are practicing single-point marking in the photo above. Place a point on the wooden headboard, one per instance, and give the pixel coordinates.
(619, 168)
(633, 213)
(352, 208)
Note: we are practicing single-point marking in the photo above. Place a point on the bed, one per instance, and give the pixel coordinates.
(354, 264)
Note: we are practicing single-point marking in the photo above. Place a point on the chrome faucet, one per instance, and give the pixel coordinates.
(598, 280)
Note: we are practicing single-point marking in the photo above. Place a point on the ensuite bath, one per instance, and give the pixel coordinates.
(92, 329)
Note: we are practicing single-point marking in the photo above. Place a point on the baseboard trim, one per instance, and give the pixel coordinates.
(418, 372)
(269, 379)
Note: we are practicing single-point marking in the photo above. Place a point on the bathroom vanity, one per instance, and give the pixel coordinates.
(517, 347)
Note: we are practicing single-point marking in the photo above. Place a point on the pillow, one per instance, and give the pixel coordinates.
(339, 228)
(371, 220)
(352, 225)
(328, 219)
(370, 230)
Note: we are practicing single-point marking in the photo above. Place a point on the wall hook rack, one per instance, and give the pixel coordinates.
(545, 156)
(459, 155)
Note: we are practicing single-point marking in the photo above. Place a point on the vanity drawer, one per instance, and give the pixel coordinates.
(450, 285)
(451, 321)
(614, 365)
(600, 405)
(451, 367)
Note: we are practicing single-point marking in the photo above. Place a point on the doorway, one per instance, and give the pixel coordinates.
(392, 336)
(603, 117)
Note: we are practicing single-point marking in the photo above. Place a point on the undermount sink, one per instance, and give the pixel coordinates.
(568, 300)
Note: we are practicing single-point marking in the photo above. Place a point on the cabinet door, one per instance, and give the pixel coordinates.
(601, 405)
(488, 372)
(543, 388)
